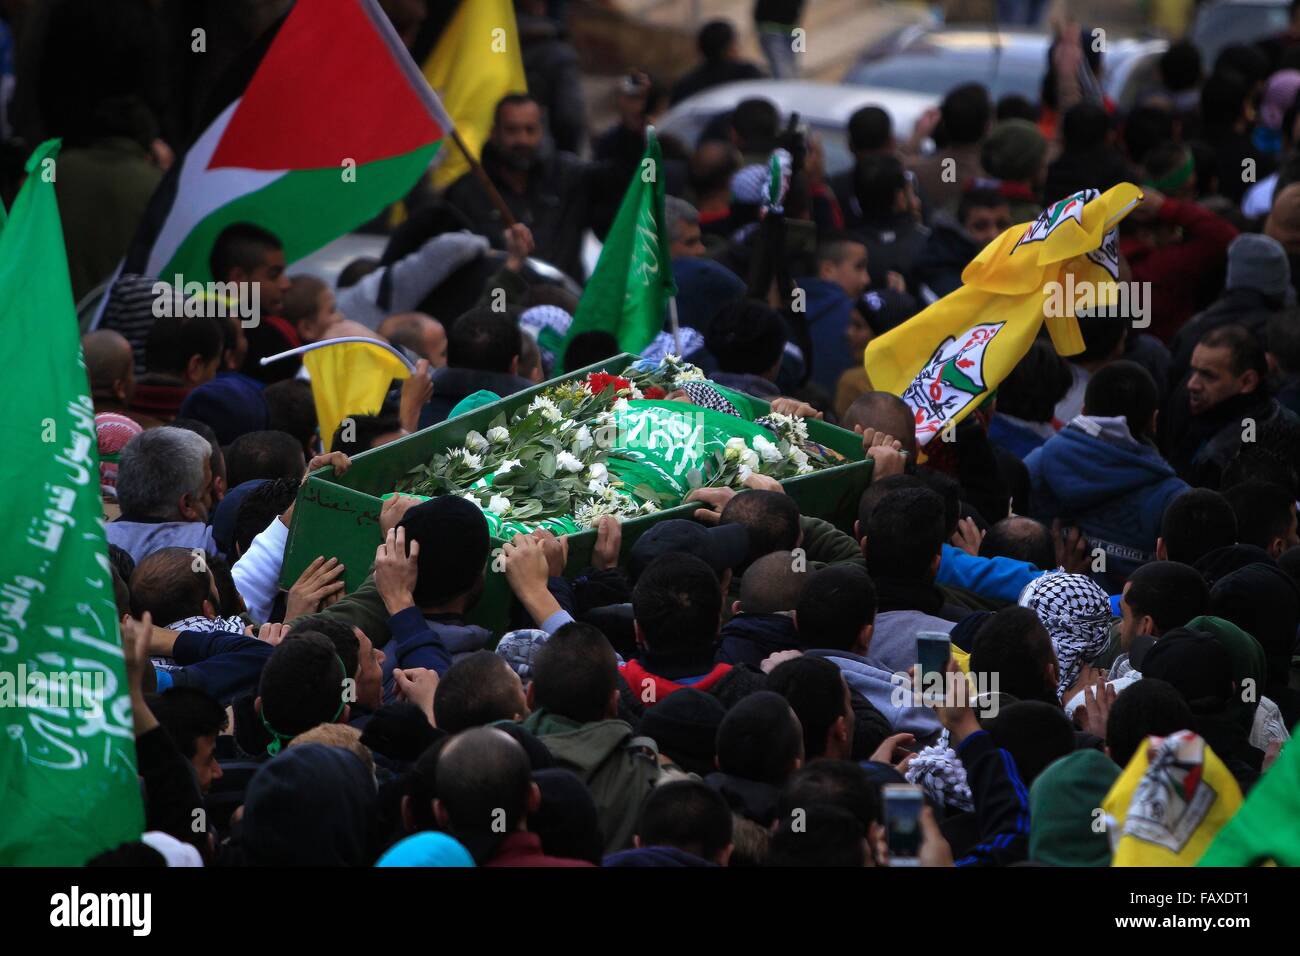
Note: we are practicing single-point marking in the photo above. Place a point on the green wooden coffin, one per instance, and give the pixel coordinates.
(338, 516)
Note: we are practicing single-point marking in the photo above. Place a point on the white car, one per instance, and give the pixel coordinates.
(824, 107)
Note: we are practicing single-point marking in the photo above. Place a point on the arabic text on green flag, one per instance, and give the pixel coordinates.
(633, 281)
(67, 753)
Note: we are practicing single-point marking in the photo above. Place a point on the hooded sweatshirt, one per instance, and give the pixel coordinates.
(657, 856)
(749, 638)
(1094, 473)
(937, 268)
(312, 805)
(618, 768)
(878, 687)
(828, 321)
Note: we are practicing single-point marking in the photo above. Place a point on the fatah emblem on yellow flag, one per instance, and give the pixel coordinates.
(1169, 803)
(948, 358)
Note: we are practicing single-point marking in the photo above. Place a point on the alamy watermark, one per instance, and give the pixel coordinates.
(215, 300)
(1121, 300)
(947, 689)
(52, 690)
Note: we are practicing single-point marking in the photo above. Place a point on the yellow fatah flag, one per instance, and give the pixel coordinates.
(350, 378)
(475, 62)
(945, 360)
(1169, 803)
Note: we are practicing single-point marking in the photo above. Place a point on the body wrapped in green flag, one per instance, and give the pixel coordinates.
(67, 754)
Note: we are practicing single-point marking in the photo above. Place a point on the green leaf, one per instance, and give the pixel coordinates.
(548, 465)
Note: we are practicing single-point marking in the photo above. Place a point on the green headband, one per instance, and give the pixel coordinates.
(278, 739)
(1176, 178)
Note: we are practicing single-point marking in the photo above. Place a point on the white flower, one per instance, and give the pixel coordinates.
(476, 442)
(597, 471)
(508, 465)
(471, 460)
(637, 394)
(621, 406)
(800, 459)
(649, 507)
(744, 473)
(498, 435)
(548, 408)
(583, 440)
(749, 459)
(767, 450)
(597, 487)
(688, 373)
(568, 462)
(499, 504)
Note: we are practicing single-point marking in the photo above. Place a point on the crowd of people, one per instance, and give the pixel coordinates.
(1109, 543)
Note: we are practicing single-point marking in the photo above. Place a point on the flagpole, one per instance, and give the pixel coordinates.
(312, 346)
(672, 324)
(484, 180)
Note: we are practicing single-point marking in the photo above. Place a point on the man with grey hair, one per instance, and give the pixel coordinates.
(164, 486)
(682, 221)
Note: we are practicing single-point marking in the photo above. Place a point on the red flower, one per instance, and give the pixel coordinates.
(654, 391)
(599, 381)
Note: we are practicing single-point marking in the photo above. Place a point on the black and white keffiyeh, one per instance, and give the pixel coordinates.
(940, 773)
(706, 396)
(1076, 612)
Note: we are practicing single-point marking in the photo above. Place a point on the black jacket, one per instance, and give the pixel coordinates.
(1001, 803)
(893, 245)
(450, 385)
(564, 197)
(1245, 307)
(708, 75)
(938, 265)
(1199, 447)
(750, 638)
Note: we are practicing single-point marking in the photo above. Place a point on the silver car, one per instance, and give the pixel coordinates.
(824, 107)
(932, 60)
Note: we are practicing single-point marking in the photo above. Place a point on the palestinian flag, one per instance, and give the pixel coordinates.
(335, 123)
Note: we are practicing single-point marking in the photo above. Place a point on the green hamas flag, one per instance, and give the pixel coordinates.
(67, 751)
(633, 281)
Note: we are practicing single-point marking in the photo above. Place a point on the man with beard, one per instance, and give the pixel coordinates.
(556, 194)
(1224, 402)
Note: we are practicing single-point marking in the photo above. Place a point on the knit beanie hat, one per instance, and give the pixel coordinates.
(454, 545)
(1062, 802)
(231, 405)
(1013, 150)
(1258, 262)
(685, 726)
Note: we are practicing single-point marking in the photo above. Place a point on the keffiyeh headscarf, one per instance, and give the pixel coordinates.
(112, 432)
(1076, 613)
(662, 344)
(763, 185)
(549, 324)
(940, 773)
